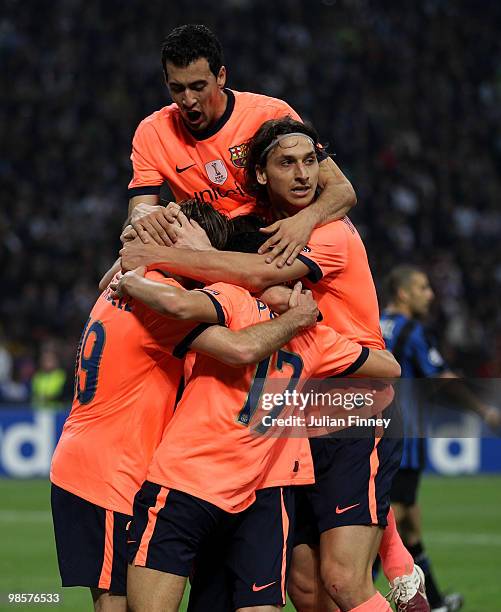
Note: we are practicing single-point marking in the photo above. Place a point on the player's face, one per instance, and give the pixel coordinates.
(420, 294)
(198, 93)
(291, 174)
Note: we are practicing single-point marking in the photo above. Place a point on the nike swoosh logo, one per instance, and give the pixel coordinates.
(260, 588)
(341, 510)
(131, 541)
(179, 170)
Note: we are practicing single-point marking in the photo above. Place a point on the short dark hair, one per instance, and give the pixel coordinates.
(187, 43)
(400, 277)
(245, 235)
(264, 136)
(215, 224)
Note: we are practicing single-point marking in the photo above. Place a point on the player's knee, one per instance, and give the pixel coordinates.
(341, 578)
(301, 591)
(105, 601)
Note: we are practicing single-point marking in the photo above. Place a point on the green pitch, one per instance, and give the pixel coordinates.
(462, 532)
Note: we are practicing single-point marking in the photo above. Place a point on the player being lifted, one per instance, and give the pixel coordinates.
(128, 371)
(282, 173)
(198, 146)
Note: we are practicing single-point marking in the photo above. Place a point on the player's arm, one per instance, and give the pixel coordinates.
(109, 274)
(166, 299)
(342, 357)
(338, 196)
(129, 233)
(379, 364)
(465, 399)
(252, 344)
(147, 203)
(430, 362)
(144, 188)
(289, 236)
(246, 270)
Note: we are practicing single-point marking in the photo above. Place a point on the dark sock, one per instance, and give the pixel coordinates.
(421, 558)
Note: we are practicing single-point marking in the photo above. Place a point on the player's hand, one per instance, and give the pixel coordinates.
(135, 253)
(302, 304)
(289, 238)
(120, 288)
(276, 297)
(171, 214)
(128, 234)
(189, 235)
(153, 223)
(295, 293)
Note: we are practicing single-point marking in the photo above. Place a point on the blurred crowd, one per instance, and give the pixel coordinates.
(407, 95)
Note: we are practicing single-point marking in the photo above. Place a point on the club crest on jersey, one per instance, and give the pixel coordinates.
(238, 154)
(216, 171)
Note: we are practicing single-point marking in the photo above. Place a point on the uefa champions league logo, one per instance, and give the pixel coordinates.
(216, 171)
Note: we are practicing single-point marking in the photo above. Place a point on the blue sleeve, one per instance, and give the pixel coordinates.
(425, 354)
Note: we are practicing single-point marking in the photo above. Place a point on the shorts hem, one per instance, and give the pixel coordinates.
(87, 584)
(326, 526)
(184, 573)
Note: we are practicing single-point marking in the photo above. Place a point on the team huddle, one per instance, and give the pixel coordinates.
(254, 280)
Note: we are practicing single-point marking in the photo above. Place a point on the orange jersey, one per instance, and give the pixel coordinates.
(208, 449)
(341, 281)
(125, 391)
(207, 166)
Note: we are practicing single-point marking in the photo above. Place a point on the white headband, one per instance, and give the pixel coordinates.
(278, 139)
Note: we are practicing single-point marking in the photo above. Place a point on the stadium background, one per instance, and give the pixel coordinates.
(408, 96)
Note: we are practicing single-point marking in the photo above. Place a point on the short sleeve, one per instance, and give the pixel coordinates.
(146, 177)
(163, 334)
(229, 301)
(326, 252)
(425, 354)
(235, 308)
(284, 110)
(338, 355)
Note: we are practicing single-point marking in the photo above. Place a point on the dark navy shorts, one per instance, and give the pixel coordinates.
(405, 486)
(91, 543)
(353, 479)
(235, 560)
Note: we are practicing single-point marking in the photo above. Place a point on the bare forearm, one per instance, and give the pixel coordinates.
(252, 344)
(334, 203)
(264, 339)
(109, 274)
(462, 396)
(380, 364)
(246, 270)
(148, 200)
(337, 197)
(162, 298)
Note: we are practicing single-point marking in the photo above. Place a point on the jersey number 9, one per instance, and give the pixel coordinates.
(89, 355)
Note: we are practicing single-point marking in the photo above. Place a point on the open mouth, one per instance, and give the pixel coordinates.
(301, 189)
(194, 116)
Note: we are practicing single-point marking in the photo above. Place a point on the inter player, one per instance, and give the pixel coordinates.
(198, 146)
(129, 368)
(191, 464)
(410, 296)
